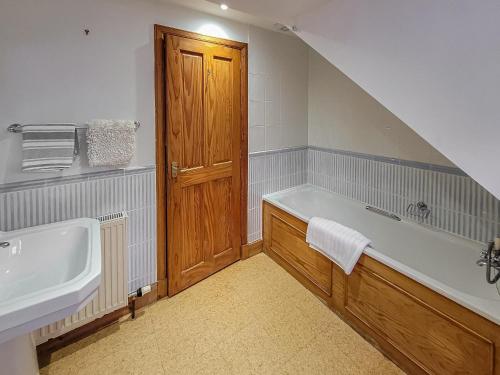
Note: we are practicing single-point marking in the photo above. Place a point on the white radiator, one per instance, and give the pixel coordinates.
(113, 290)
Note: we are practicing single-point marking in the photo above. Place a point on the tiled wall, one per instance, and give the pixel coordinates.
(269, 172)
(32, 203)
(459, 205)
(277, 83)
(41, 202)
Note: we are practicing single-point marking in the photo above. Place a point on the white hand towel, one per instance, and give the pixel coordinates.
(341, 244)
(110, 143)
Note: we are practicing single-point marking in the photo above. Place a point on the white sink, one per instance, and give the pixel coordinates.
(47, 273)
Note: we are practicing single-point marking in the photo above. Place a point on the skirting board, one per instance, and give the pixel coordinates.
(47, 348)
(250, 249)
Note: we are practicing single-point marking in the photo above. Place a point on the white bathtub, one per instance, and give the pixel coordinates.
(438, 260)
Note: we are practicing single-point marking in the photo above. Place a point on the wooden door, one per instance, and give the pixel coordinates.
(203, 157)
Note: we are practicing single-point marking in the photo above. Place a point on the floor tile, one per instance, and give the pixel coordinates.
(251, 318)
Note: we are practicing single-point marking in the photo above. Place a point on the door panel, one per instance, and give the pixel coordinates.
(221, 224)
(192, 254)
(192, 129)
(219, 112)
(204, 125)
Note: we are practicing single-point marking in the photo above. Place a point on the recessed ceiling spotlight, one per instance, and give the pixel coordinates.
(224, 7)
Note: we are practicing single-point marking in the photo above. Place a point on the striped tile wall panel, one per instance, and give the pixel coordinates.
(133, 191)
(269, 172)
(459, 205)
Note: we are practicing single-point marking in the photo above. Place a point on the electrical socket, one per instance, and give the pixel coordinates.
(144, 290)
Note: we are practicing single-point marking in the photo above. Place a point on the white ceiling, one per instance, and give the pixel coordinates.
(279, 10)
(262, 13)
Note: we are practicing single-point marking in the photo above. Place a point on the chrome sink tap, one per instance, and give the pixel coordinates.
(491, 259)
(481, 262)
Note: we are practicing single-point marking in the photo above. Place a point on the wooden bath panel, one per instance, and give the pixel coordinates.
(284, 240)
(419, 329)
(433, 340)
(288, 242)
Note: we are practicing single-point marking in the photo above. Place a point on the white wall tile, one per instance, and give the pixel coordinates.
(274, 139)
(268, 113)
(276, 56)
(258, 114)
(256, 138)
(259, 87)
(269, 83)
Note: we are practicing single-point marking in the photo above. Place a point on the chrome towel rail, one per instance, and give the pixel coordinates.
(18, 128)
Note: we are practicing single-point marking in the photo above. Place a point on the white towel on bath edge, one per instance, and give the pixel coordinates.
(110, 142)
(341, 244)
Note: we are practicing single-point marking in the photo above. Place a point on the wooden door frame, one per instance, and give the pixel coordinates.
(162, 190)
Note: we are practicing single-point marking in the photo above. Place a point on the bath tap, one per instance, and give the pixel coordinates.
(491, 259)
(419, 210)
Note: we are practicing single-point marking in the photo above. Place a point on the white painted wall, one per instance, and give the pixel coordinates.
(434, 64)
(343, 116)
(51, 72)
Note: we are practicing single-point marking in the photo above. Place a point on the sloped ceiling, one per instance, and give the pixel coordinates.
(434, 64)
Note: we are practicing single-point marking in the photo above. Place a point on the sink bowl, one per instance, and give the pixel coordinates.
(47, 273)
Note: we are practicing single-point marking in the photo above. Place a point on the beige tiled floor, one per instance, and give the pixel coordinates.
(251, 318)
